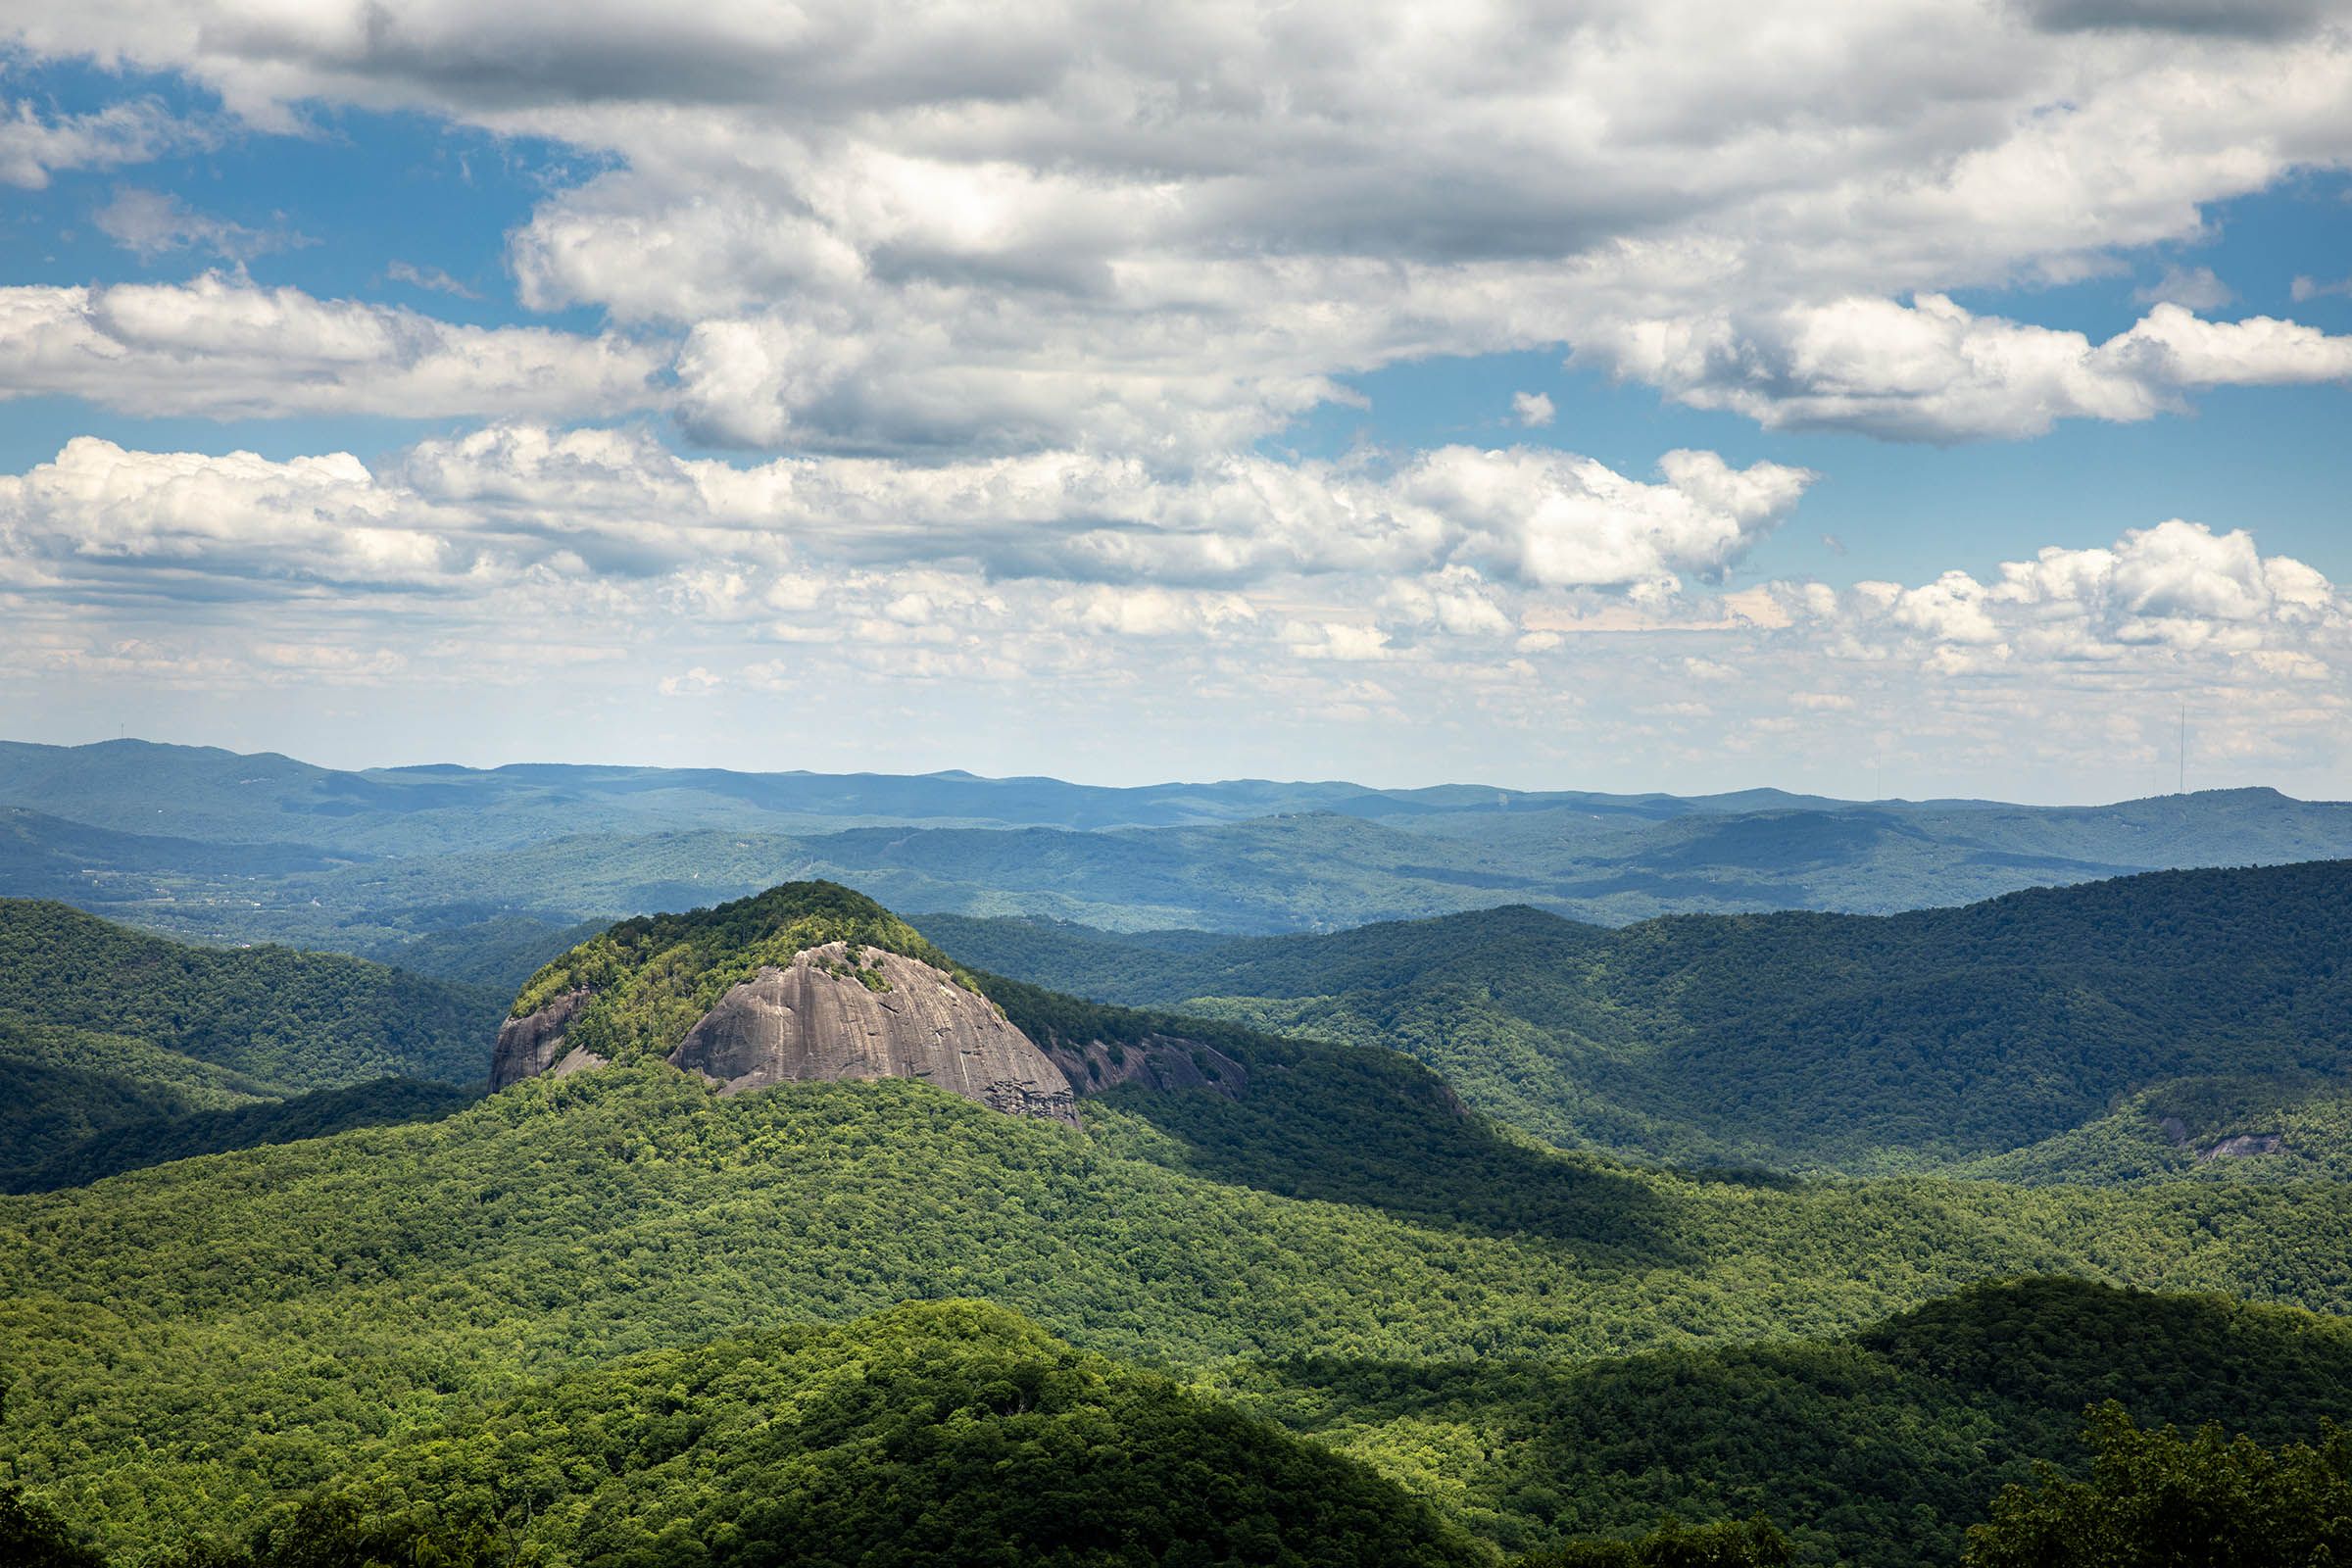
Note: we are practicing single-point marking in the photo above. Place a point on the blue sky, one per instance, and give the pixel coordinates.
(1684, 396)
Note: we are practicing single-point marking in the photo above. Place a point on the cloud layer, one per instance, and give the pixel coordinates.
(220, 347)
(1505, 599)
(1003, 312)
(956, 228)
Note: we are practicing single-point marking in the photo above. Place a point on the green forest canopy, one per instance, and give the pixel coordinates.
(1798, 1040)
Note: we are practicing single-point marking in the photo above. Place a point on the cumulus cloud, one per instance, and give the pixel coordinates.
(2162, 594)
(1935, 371)
(222, 347)
(585, 565)
(182, 518)
(950, 230)
(1532, 408)
(1538, 517)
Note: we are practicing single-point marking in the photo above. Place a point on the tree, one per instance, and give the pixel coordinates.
(31, 1537)
(1753, 1543)
(2157, 1499)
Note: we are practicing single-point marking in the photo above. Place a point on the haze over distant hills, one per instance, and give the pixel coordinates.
(478, 874)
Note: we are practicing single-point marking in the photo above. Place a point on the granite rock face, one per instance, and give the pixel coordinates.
(529, 1047)
(818, 1019)
(1156, 1061)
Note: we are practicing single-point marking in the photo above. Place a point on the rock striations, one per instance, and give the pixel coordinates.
(806, 981)
(812, 1020)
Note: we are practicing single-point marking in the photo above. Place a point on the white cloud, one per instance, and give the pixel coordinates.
(977, 232)
(1451, 547)
(2159, 594)
(1933, 371)
(583, 567)
(432, 278)
(150, 224)
(2196, 288)
(34, 147)
(1543, 518)
(173, 521)
(1532, 408)
(222, 347)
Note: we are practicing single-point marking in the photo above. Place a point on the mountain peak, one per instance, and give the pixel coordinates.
(808, 980)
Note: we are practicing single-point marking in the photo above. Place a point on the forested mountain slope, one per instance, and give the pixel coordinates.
(295, 1020)
(939, 1433)
(1875, 1448)
(1803, 1040)
(229, 1327)
(106, 1034)
(1321, 1229)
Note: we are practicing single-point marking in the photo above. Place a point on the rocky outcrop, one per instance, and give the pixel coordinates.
(1156, 1061)
(530, 1045)
(2245, 1145)
(833, 1013)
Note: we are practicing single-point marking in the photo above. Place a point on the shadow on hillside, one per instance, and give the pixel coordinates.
(1358, 1130)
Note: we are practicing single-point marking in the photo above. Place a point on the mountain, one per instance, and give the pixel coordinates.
(561, 1301)
(206, 793)
(252, 1323)
(947, 1432)
(292, 1020)
(110, 1037)
(1805, 1041)
(808, 981)
(215, 847)
(93, 1147)
(1875, 1448)
(650, 1307)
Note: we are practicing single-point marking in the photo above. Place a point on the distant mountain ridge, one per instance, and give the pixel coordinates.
(475, 875)
(206, 793)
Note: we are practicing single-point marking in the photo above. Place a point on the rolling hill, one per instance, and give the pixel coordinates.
(118, 1048)
(556, 1306)
(1805, 1041)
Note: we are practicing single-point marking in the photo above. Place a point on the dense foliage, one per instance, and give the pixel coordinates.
(571, 1323)
(1810, 1041)
(1877, 1449)
(291, 1020)
(939, 1433)
(2156, 1499)
(32, 1536)
(1728, 1544)
(185, 1343)
(132, 1144)
(60, 1088)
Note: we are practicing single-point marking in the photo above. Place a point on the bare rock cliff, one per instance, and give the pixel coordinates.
(529, 1047)
(831, 1013)
(820, 1019)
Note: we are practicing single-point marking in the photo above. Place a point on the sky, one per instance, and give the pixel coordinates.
(1901, 398)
